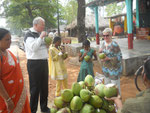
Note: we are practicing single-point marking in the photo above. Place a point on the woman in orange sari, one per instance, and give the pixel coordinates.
(13, 96)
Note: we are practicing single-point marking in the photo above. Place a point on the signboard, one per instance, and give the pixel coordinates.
(142, 33)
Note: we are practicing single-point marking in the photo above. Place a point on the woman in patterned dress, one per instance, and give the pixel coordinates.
(13, 95)
(112, 64)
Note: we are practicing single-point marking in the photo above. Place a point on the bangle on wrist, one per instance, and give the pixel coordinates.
(8, 99)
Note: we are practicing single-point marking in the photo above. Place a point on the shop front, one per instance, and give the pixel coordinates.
(143, 32)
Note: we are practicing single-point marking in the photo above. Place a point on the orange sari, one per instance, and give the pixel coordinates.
(12, 79)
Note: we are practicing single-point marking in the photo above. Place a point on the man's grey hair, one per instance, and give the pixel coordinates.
(108, 30)
(37, 20)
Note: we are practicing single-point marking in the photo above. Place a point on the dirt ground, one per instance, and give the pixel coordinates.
(128, 88)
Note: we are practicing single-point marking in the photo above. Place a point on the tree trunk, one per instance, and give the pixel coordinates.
(58, 19)
(28, 7)
(81, 21)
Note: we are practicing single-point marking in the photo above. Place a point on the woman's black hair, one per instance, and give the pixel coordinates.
(3, 32)
(86, 43)
(57, 38)
(147, 68)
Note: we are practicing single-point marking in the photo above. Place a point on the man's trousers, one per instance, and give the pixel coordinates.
(38, 80)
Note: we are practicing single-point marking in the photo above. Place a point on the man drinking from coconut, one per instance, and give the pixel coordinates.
(37, 65)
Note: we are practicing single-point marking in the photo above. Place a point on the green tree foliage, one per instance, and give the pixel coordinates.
(61, 14)
(70, 11)
(20, 13)
(114, 8)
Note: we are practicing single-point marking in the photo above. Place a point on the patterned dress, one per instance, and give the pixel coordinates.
(86, 67)
(112, 68)
(12, 79)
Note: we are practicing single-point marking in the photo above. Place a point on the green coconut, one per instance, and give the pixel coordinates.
(67, 95)
(89, 81)
(58, 101)
(110, 102)
(100, 111)
(111, 108)
(105, 104)
(90, 88)
(64, 110)
(48, 40)
(87, 108)
(96, 101)
(110, 90)
(85, 95)
(76, 103)
(87, 58)
(76, 88)
(82, 84)
(53, 109)
(102, 55)
(65, 55)
(99, 90)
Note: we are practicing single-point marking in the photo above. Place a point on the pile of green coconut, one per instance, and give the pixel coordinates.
(84, 97)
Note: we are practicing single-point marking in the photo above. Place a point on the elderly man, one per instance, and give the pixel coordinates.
(37, 65)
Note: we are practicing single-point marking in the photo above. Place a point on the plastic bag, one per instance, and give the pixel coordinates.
(99, 78)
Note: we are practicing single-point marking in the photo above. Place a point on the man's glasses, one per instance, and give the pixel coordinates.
(105, 35)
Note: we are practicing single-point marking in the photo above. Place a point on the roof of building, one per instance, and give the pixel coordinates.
(95, 3)
(90, 22)
(118, 15)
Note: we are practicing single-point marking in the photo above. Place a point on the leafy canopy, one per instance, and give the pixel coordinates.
(114, 8)
(20, 13)
(70, 11)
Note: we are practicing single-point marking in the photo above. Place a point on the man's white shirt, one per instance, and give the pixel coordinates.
(35, 48)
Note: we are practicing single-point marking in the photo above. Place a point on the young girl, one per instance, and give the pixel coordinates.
(57, 69)
(86, 66)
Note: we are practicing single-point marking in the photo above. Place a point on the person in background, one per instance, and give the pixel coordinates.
(112, 63)
(86, 66)
(139, 104)
(37, 65)
(51, 34)
(13, 95)
(57, 68)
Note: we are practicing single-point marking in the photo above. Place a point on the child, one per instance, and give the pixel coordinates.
(57, 68)
(86, 66)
